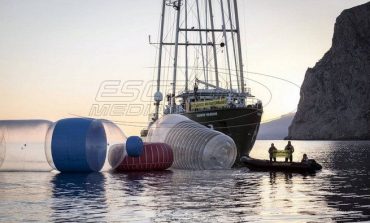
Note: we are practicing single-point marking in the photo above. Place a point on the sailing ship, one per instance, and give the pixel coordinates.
(212, 95)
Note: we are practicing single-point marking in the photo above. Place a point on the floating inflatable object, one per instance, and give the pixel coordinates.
(155, 156)
(114, 136)
(134, 146)
(22, 145)
(69, 145)
(77, 145)
(194, 145)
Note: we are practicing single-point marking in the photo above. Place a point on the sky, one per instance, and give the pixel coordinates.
(65, 58)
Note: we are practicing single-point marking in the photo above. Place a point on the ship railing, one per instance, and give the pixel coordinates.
(253, 103)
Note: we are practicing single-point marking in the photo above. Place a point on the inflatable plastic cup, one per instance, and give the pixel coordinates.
(194, 145)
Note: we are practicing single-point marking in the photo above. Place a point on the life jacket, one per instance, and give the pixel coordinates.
(290, 148)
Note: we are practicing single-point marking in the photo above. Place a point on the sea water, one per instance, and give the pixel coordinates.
(340, 192)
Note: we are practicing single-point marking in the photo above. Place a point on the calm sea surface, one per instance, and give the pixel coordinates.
(340, 192)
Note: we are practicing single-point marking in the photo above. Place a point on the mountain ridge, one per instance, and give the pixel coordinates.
(276, 129)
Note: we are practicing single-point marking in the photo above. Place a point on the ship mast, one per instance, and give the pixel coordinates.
(214, 41)
(226, 44)
(206, 26)
(239, 46)
(209, 14)
(178, 8)
(158, 96)
(186, 48)
(233, 44)
(201, 39)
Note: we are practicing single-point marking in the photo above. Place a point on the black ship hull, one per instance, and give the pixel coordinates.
(241, 124)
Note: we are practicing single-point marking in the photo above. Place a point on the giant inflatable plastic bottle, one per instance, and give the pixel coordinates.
(115, 137)
(76, 145)
(68, 145)
(154, 156)
(22, 145)
(194, 145)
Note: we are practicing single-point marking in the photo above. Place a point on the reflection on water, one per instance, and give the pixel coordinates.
(24, 196)
(350, 181)
(340, 192)
(78, 197)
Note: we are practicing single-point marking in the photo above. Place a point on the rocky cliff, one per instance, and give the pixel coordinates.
(335, 94)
